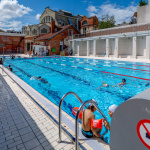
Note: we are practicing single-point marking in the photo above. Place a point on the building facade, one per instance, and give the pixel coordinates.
(143, 13)
(131, 41)
(55, 41)
(13, 43)
(61, 18)
(88, 24)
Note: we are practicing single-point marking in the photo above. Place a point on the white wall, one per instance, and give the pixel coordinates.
(83, 48)
(100, 47)
(39, 49)
(141, 45)
(143, 13)
(125, 46)
(91, 47)
(112, 46)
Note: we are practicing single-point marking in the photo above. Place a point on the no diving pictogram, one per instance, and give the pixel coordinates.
(143, 131)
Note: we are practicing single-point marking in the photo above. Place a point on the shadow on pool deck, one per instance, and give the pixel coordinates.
(18, 130)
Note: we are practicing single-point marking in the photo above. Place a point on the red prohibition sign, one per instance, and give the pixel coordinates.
(143, 131)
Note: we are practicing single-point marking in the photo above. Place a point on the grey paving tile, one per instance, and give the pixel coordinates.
(28, 136)
(24, 130)
(38, 148)
(20, 146)
(31, 144)
(48, 147)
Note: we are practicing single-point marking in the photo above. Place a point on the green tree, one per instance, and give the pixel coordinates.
(142, 3)
(106, 22)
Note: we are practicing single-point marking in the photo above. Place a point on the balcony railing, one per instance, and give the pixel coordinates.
(115, 30)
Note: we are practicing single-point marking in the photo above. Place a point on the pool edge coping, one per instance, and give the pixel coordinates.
(53, 116)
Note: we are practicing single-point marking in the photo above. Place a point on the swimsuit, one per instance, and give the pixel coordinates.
(87, 134)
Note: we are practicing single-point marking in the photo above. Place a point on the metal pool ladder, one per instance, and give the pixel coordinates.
(77, 116)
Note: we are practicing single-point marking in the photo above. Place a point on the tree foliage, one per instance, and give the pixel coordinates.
(142, 3)
(106, 22)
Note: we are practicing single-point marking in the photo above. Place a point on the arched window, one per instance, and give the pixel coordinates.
(44, 30)
(34, 31)
(84, 22)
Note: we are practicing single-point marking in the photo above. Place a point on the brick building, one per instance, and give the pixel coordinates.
(88, 24)
(13, 43)
(55, 40)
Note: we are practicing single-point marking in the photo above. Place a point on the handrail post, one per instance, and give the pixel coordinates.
(60, 110)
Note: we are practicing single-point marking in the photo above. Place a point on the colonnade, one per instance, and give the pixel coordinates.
(120, 47)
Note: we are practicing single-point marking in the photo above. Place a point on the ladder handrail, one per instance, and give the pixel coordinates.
(60, 109)
(77, 124)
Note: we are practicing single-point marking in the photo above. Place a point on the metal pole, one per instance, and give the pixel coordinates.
(60, 109)
(3, 60)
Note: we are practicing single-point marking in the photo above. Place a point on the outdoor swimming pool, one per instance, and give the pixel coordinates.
(83, 76)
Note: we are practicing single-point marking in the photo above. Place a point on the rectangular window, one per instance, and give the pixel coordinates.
(55, 42)
(62, 35)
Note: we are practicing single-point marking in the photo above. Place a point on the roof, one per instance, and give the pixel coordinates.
(51, 35)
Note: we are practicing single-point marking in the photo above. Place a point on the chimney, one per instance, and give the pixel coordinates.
(52, 26)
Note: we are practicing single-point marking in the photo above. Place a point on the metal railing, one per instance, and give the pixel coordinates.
(77, 124)
(115, 30)
(77, 116)
(60, 109)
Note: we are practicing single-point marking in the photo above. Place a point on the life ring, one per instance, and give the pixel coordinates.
(74, 111)
(97, 123)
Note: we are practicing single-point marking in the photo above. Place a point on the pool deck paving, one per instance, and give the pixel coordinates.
(23, 125)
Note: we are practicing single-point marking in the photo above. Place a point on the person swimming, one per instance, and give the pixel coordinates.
(9, 68)
(104, 84)
(111, 111)
(42, 80)
(124, 83)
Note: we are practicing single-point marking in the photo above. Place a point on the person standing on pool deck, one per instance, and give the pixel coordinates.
(1, 61)
(87, 116)
(112, 109)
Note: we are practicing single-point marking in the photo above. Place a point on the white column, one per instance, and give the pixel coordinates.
(78, 48)
(94, 48)
(88, 48)
(26, 48)
(134, 50)
(116, 47)
(73, 47)
(30, 46)
(107, 47)
(147, 47)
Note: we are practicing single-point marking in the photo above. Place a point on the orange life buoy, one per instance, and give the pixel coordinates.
(96, 123)
(74, 111)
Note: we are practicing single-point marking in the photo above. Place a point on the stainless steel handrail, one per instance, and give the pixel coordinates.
(60, 109)
(77, 124)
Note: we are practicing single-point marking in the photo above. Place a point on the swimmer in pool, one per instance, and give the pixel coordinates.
(42, 80)
(124, 83)
(104, 84)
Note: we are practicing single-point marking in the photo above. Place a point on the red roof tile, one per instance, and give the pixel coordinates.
(51, 35)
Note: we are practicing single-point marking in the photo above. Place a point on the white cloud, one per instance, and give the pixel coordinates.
(10, 10)
(38, 16)
(10, 25)
(92, 9)
(120, 13)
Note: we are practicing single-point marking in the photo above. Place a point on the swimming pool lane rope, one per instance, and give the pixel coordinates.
(104, 71)
(83, 81)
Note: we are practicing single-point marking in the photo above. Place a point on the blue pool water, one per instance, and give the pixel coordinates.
(83, 76)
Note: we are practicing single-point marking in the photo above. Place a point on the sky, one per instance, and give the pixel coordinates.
(17, 13)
